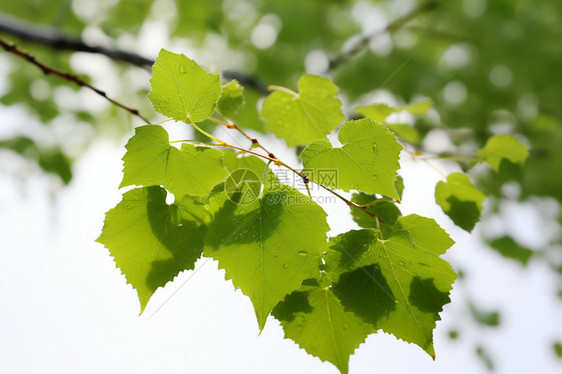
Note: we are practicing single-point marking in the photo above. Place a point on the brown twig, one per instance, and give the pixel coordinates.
(271, 157)
(47, 70)
(395, 25)
(350, 203)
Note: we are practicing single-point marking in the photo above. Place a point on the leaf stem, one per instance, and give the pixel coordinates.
(222, 143)
(284, 89)
(263, 180)
(352, 204)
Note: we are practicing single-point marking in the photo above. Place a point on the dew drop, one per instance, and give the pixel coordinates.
(303, 253)
(375, 148)
(285, 266)
(182, 69)
(355, 187)
(180, 224)
(401, 263)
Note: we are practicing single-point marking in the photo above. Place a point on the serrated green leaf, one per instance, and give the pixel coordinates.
(152, 241)
(314, 319)
(367, 160)
(460, 200)
(503, 147)
(509, 248)
(386, 210)
(393, 284)
(232, 99)
(151, 161)
(267, 245)
(181, 89)
(425, 233)
(311, 114)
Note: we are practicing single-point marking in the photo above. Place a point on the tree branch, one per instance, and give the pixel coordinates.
(47, 70)
(395, 25)
(49, 37)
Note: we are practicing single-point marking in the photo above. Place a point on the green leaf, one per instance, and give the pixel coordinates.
(502, 148)
(394, 284)
(386, 210)
(485, 357)
(491, 319)
(181, 89)
(51, 160)
(367, 161)
(267, 245)
(509, 248)
(379, 112)
(314, 319)
(151, 161)
(152, 241)
(300, 118)
(399, 185)
(460, 200)
(232, 99)
(407, 132)
(419, 108)
(557, 349)
(425, 233)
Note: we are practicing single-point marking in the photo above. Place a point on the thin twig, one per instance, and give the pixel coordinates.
(271, 157)
(47, 70)
(350, 203)
(395, 25)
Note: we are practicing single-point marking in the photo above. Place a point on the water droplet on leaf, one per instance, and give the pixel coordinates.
(401, 263)
(302, 253)
(182, 69)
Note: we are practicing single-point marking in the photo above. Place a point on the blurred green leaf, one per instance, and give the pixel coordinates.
(503, 147)
(491, 319)
(509, 248)
(460, 200)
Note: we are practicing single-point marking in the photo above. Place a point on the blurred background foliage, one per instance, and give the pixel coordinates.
(490, 67)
